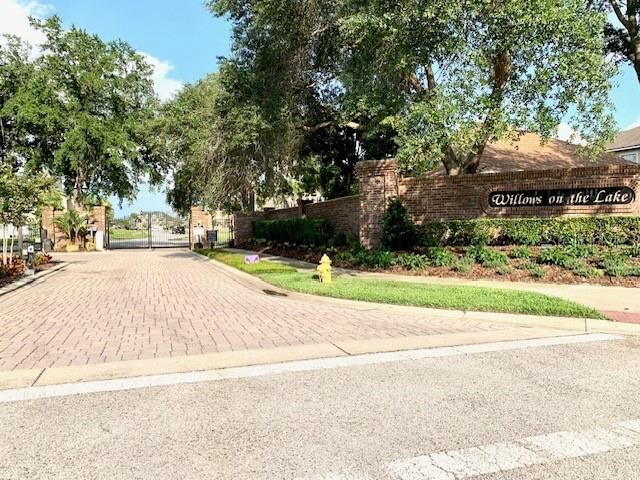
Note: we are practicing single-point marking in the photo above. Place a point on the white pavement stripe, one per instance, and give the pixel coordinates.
(33, 393)
(500, 457)
(334, 476)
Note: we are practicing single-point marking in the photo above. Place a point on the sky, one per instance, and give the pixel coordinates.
(183, 40)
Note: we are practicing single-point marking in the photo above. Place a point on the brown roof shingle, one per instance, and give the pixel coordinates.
(528, 154)
(626, 139)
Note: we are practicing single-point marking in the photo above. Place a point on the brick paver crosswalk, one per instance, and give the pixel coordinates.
(126, 305)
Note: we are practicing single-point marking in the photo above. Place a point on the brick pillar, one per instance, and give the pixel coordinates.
(378, 181)
(100, 218)
(243, 226)
(200, 217)
(47, 222)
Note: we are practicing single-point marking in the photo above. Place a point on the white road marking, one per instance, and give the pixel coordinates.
(500, 457)
(33, 393)
(334, 476)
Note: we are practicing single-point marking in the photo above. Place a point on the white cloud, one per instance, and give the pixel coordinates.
(569, 135)
(165, 86)
(14, 19)
(633, 125)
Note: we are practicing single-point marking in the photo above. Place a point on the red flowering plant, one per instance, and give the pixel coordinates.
(41, 258)
(11, 267)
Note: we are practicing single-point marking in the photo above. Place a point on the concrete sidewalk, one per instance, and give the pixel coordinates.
(621, 304)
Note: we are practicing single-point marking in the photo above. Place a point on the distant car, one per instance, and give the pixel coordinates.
(178, 229)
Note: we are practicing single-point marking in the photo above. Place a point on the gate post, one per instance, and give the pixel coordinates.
(149, 241)
(100, 219)
(199, 217)
(378, 183)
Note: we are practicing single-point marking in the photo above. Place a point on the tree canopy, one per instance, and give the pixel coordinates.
(428, 81)
(623, 35)
(85, 112)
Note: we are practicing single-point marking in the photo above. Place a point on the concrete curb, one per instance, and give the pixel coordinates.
(583, 325)
(26, 280)
(39, 377)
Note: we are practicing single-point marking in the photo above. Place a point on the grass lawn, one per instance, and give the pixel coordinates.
(449, 297)
(122, 234)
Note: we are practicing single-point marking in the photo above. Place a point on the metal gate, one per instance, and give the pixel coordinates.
(223, 226)
(149, 230)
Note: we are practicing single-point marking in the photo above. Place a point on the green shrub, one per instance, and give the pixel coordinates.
(584, 270)
(617, 265)
(521, 232)
(535, 231)
(380, 259)
(537, 271)
(504, 270)
(464, 264)
(360, 256)
(412, 261)
(435, 234)
(534, 269)
(398, 230)
(581, 250)
(634, 250)
(338, 240)
(345, 257)
(441, 257)
(560, 256)
(472, 232)
(299, 231)
(522, 252)
(489, 257)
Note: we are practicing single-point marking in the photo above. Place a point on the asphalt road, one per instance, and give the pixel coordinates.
(560, 412)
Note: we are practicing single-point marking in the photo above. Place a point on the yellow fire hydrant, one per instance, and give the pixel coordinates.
(324, 269)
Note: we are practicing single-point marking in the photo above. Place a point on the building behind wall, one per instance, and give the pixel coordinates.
(627, 145)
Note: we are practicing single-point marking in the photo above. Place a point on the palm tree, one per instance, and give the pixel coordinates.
(73, 224)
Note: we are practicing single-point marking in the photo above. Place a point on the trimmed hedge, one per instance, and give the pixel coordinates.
(534, 231)
(298, 231)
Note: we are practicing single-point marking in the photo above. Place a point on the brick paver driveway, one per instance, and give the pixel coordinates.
(125, 305)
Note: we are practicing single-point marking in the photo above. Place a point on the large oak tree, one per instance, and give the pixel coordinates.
(443, 78)
(85, 113)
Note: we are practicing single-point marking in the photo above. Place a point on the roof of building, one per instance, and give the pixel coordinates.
(527, 153)
(626, 139)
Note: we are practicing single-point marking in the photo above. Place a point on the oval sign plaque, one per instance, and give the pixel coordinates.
(563, 197)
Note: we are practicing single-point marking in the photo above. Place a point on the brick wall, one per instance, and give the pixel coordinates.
(97, 216)
(436, 198)
(282, 213)
(343, 213)
(447, 198)
(243, 225)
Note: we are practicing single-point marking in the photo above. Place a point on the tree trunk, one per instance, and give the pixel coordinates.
(4, 244)
(636, 59)
(20, 240)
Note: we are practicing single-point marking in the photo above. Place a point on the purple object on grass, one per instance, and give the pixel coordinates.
(251, 259)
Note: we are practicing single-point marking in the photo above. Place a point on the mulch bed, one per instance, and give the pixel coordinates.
(554, 274)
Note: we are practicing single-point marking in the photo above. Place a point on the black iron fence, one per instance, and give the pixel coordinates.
(149, 230)
(18, 239)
